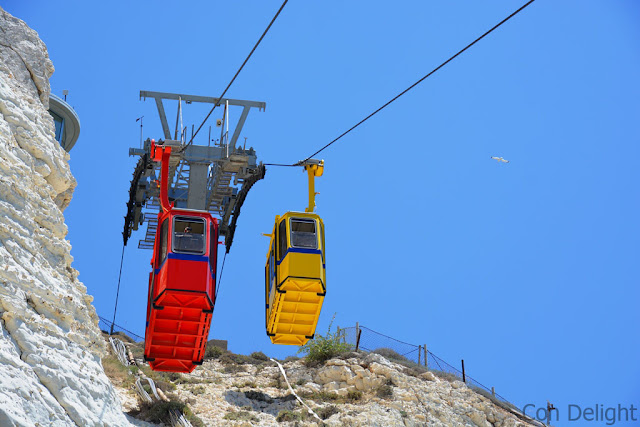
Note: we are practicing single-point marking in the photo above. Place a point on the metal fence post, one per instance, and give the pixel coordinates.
(464, 378)
(358, 339)
(493, 391)
(425, 356)
(419, 350)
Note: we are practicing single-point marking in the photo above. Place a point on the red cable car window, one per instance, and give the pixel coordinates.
(303, 233)
(212, 248)
(164, 233)
(189, 235)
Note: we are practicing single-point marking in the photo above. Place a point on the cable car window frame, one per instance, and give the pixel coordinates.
(272, 267)
(212, 247)
(282, 239)
(163, 243)
(303, 220)
(192, 219)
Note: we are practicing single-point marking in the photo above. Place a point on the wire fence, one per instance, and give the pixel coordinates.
(411, 355)
(363, 338)
(105, 326)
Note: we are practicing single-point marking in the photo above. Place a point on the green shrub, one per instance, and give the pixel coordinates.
(278, 383)
(250, 384)
(158, 412)
(198, 390)
(323, 348)
(286, 415)
(321, 396)
(324, 396)
(256, 358)
(385, 390)
(258, 355)
(327, 411)
(354, 395)
(232, 369)
(174, 377)
(241, 416)
(212, 352)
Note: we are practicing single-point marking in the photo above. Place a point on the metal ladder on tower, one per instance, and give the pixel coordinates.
(151, 217)
(220, 190)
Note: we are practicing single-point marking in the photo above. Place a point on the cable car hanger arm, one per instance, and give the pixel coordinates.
(162, 154)
(314, 168)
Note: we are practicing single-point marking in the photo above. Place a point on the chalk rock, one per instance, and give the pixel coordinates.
(428, 376)
(331, 373)
(50, 344)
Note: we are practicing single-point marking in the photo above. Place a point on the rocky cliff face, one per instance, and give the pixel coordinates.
(354, 389)
(50, 345)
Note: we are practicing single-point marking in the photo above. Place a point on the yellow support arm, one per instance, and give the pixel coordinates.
(313, 170)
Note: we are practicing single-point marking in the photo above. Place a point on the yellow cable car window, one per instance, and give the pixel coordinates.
(303, 233)
(272, 267)
(282, 237)
(188, 235)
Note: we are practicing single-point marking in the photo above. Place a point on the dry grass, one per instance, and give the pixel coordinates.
(119, 374)
(241, 416)
(158, 412)
(352, 396)
(288, 416)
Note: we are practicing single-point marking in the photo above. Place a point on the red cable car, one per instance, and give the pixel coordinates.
(181, 284)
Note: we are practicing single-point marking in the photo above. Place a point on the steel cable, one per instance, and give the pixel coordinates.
(238, 72)
(409, 88)
(118, 291)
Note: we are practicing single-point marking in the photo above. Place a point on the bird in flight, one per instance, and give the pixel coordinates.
(500, 159)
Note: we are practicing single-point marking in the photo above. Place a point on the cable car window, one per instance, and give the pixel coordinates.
(303, 233)
(272, 267)
(164, 234)
(212, 248)
(189, 235)
(282, 236)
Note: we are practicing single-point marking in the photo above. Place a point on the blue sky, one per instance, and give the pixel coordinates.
(528, 270)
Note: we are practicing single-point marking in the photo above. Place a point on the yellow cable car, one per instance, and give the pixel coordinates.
(295, 278)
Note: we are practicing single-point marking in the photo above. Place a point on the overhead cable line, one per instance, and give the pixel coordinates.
(219, 281)
(238, 72)
(409, 88)
(115, 308)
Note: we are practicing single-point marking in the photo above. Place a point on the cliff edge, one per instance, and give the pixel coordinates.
(50, 344)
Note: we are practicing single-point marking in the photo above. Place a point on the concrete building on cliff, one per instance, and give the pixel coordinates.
(66, 121)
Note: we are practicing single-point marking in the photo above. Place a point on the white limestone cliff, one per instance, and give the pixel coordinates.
(50, 344)
(354, 389)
